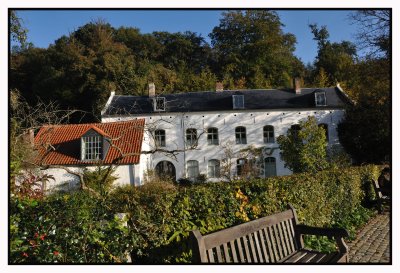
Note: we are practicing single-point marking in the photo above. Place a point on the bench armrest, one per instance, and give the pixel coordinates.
(337, 233)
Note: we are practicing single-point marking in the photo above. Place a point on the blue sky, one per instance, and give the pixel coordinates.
(45, 26)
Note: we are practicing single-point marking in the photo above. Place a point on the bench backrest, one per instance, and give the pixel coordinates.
(265, 240)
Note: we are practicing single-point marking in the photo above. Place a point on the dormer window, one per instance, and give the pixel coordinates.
(92, 147)
(320, 99)
(238, 101)
(159, 104)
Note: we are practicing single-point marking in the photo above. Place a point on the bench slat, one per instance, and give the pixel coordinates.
(277, 243)
(296, 257)
(264, 249)
(282, 239)
(260, 257)
(246, 249)
(219, 256)
(240, 248)
(252, 248)
(226, 252)
(308, 257)
(271, 245)
(289, 238)
(290, 232)
(233, 249)
(210, 254)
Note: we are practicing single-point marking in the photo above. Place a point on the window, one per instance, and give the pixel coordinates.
(269, 134)
(191, 137)
(240, 135)
(213, 168)
(295, 130)
(92, 147)
(159, 137)
(270, 166)
(325, 126)
(193, 169)
(240, 166)
(320, 99)
(159, 104)
(238, 101)
(212, 136)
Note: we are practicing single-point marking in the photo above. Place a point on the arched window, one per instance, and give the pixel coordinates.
(325, 126)
(269, 134)
(192, 169)
(240, 166)
(240, 133)
(159, 137)
(213, 168)
(191, 137)
(212, 136)
(270, 166)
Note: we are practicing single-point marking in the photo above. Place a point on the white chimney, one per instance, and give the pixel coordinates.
(219, 87)
(152, 90)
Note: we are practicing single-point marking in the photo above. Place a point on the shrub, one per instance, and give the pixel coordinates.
(160, 216)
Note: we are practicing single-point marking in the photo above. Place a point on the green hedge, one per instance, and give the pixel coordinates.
(161, 215)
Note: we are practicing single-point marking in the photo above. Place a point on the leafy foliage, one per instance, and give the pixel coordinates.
(304, 150)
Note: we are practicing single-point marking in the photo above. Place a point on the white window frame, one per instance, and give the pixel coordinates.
(214, 168)
(92, 147)
(212, 137)
(160, 139)
(192, 169)
(191, 137)
(317, 94)
(156, 104)
(240, 135)
(267, 134)
(238, 101)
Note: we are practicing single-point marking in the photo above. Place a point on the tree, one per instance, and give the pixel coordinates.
(374, 31)
(335, 60)
(17, 30)
(251, 45)
(304, 150)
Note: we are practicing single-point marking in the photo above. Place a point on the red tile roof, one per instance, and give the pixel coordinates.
(66, 141)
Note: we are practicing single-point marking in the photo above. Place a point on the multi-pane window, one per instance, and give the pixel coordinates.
(92, 147)
(295, 130)
(240, 166)
(325, 126)
(269, 134)
(320, 99)
(159, 137)
(191, 137)
(212, 136)
(213, 168)
(159, 104)
(270, 166)
(240, 133)
(192, 169)
(238, 101)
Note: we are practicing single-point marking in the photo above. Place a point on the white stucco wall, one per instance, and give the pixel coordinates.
(127, 175)
(175, 125)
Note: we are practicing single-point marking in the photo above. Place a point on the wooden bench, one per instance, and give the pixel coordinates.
(276, 238)
(381, 199)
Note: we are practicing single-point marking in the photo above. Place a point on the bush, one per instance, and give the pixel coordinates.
(160, 216)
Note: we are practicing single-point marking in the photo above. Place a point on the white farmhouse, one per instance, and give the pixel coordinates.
(199, 127)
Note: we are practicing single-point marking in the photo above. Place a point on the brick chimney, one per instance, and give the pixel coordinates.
(297, 86)
(219, 87)
(152, 90)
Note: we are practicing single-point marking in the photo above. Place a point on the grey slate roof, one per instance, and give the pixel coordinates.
(222, 101)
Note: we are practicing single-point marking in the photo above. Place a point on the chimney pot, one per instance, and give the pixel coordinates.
(219, 86)
(297, 86)
(152, 89)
